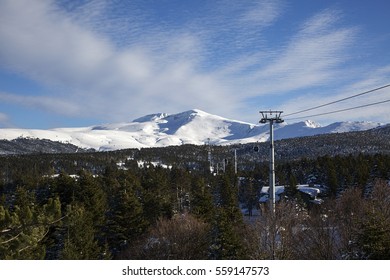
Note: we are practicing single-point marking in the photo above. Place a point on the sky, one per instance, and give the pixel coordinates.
(73, 63)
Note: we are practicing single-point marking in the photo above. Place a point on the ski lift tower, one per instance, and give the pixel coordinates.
(271, 117)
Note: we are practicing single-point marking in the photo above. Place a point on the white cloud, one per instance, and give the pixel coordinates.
(99, 64)
(367, 82)
(48, 47)
(311, 58)
(321, 22)
(263, 13)
(46, 103)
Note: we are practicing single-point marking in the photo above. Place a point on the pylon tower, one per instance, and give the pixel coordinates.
(271, 117)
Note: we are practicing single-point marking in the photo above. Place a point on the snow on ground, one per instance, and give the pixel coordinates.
(264, 194)
(313, 192)
(142, 164)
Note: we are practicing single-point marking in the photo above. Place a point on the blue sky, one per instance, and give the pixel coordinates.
(78, 63)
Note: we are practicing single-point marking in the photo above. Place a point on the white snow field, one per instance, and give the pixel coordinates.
(189, 127)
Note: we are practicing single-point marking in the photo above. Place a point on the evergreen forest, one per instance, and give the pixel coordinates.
(165, 203)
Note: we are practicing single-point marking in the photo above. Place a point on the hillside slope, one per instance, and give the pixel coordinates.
(189, 127)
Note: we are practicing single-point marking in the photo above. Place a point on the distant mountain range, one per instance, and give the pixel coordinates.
(189, 127)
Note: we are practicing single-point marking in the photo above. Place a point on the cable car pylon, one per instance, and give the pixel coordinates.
(271, 117)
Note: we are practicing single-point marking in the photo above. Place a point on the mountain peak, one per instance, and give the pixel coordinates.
(151, 117)
(189, 127)
(192, 112)
(198, 111)
(159, 116)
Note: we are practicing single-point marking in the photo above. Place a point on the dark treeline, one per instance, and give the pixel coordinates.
(118, 205)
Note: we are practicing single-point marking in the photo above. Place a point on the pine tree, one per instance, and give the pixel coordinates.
(79, 240)
(24, 228)
(157, 199)
(65, 187)
(226, 241)
(91, 194)
(202, 204)
(332, 181)
(291, 189)
(125, 222)
(229, 198)
(373, 234)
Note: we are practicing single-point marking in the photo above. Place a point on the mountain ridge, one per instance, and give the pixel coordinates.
(189, 127)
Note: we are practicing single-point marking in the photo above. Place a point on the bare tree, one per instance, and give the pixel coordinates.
(273, 236)
(183, 237)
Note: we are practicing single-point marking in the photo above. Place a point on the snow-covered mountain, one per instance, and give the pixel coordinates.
(189, 127)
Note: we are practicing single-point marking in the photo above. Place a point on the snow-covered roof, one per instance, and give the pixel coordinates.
(312, 191)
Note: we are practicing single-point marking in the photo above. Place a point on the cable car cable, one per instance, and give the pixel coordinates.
(341, 110)
(343, 99)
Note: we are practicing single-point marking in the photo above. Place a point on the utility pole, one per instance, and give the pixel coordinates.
(271, 117)
(235, 161)
(209, 156)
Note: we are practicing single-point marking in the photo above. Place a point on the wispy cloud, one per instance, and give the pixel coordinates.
(110, 62)
(311, 57)
(85, 69)
(45, 103)
(263, 14)
(368, 81)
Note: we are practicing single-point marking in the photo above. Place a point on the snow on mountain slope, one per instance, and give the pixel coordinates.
(189, 127)
(310, 128)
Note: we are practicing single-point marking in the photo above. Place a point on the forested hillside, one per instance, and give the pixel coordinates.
(33, 146)
(164, 203)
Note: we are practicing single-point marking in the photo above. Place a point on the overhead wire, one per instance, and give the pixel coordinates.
(339, 100)
(341, 110)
